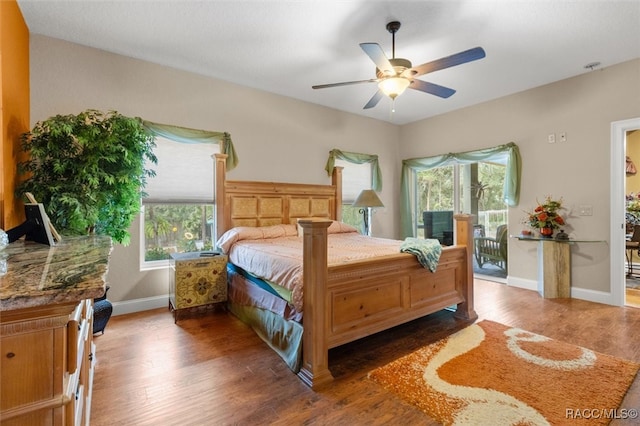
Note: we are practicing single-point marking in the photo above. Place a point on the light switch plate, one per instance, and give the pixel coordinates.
(585, 210)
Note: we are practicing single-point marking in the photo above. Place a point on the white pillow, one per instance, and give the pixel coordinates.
(335, 227)
(239, 233)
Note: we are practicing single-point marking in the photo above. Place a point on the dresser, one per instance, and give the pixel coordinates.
(197, 279)
(47, 354)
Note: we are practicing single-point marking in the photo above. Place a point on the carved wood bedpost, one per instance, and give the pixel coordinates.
(336, 180)
(315, 347)
(219, 182)
(464, 237)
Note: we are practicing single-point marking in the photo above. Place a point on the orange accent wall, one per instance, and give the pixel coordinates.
(15, 107)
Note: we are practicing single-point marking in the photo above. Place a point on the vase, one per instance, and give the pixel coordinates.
(102, 310)
(546, 232)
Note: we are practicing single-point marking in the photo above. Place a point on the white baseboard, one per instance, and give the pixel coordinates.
(576, 293)
(147, 303)
(139, 305)
(592, 295)
(522, 283)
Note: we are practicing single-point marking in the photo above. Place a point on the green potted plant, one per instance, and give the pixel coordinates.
(88, 170)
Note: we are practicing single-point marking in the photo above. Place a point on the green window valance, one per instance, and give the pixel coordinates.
(508, 154)
(186, 135)
(357, 158)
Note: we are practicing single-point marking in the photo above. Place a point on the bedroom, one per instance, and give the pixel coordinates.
(69, 77)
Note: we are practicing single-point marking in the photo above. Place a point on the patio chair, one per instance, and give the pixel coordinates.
(492, 250)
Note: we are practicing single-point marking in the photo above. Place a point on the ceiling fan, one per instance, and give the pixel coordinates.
(396, 74)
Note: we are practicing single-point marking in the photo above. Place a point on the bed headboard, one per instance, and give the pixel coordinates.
(250, 203)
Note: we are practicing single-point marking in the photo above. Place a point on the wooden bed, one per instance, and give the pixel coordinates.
(347, 302)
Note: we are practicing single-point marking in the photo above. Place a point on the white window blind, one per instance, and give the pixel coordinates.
(184, 173)
(355, 178)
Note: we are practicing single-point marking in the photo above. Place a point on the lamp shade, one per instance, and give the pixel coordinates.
(393, 86)
(367, 198)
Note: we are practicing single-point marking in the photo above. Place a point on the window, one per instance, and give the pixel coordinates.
(355, 178)
(360, 171)
(466, 181)
(178, 211)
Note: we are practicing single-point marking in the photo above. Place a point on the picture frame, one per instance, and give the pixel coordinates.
(40, 232)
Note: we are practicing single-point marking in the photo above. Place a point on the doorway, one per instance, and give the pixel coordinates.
(619, 132)
(473, 188)
(632, 195)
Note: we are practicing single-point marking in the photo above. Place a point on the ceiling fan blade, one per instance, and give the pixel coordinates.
(446, 62)
(374, 99)
(378, 57)
(431, 88)
(346, 83)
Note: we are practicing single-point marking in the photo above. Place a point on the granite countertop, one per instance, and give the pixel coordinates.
(72, 270)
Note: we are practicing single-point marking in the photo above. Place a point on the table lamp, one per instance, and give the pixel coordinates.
(367, 199)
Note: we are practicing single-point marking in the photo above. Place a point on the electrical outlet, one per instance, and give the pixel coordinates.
(563, 137)
(585, 210)
(551, 138)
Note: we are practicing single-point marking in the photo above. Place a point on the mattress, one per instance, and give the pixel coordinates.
(274, 253)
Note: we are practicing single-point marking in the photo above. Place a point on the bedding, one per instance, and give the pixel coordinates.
(350, 300)
(427, 251)
(249, 290)
(274, 253)
(271, 317)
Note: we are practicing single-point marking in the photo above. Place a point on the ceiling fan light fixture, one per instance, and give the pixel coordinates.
(393, 86)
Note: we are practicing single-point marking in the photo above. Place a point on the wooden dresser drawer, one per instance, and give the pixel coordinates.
(44, 366)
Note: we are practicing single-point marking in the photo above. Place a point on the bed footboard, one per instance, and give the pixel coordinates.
(347, 302)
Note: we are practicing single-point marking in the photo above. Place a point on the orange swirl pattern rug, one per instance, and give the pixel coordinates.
(489, 373)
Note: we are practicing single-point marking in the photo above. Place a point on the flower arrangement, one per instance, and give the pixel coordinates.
(633, 203)
(546, 215)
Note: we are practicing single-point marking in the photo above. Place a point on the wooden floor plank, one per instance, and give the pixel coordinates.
(212, 369)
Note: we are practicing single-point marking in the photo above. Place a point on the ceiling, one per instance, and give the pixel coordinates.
(285, 47)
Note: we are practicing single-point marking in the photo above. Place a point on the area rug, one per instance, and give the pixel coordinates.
(491, 374)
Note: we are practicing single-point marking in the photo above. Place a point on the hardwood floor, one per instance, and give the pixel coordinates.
(633, 297)
(213, 370)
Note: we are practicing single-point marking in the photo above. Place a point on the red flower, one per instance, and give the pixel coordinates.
(545, 215)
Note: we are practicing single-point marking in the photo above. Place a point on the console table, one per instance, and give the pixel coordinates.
(46, 313)
(554, 265)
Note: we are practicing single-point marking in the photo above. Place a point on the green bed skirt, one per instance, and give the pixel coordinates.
(283, 336)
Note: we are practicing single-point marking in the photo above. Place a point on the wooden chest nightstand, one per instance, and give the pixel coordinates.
(197, 279)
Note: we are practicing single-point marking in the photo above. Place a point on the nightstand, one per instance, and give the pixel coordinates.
(197, 279)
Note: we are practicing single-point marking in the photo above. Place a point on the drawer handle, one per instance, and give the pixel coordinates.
(10, 355)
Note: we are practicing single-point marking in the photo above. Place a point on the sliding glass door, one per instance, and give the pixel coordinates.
(474, 188)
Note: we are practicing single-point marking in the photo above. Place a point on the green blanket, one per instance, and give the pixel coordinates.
(426, 250)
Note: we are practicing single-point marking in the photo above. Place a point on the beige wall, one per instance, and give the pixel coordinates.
(577, 170)
(271, 132)
(276, 138)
